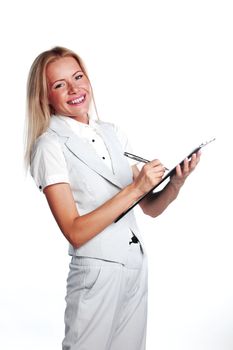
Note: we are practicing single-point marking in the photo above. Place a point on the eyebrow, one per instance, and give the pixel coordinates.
(64, 79)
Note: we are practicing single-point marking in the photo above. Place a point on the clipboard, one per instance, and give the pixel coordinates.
(169, 174)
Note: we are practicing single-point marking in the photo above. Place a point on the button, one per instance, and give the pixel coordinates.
(134, 239)
(103, 157)
(93, 140)
(40, 187)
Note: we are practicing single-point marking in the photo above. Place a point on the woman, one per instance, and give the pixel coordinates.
(79, 165)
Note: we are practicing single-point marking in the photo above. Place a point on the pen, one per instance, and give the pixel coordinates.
(140, 159)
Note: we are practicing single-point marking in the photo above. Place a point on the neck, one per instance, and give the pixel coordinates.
(81, 118)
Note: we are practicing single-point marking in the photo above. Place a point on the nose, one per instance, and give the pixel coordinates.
(72, 88)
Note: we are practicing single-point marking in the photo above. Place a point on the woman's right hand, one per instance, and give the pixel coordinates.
(149, 176)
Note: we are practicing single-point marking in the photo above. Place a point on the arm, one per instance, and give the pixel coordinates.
(155, 203)
(79, 229)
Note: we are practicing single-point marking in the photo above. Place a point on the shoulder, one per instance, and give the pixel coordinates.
(47, 150)
(47, 138)
(48, 163)
(46, 141)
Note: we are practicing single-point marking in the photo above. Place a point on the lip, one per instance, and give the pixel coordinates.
(75, 98)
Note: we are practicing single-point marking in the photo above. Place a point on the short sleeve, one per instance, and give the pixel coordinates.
(125, 144)
(48, 165)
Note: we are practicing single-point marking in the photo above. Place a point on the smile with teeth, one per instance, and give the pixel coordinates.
(77, 100)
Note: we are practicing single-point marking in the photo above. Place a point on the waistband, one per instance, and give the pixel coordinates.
(134, 259)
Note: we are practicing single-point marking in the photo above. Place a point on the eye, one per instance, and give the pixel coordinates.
(59, 85)
(78, 76)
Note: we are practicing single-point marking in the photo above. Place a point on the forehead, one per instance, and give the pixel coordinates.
(62, 68)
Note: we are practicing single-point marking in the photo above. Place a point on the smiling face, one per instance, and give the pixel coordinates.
(68, 88)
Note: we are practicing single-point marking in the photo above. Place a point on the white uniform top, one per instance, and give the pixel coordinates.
(48, 165)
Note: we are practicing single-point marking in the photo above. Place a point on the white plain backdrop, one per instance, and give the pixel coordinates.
(163, 71)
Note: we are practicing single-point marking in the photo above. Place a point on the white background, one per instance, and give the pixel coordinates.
(162, 70)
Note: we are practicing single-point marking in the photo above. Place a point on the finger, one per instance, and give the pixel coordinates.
(154, 170)
(161, 172)
(186, 166)
(153, 179)
(178, 170)
(157, 173)
(151, 164)
(193, 162)
(157, 168)
(154, 162)
(198, 156)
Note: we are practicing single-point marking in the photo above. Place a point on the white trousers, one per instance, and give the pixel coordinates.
(107, 303)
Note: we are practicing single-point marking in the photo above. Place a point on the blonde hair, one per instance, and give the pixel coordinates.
(39, 110)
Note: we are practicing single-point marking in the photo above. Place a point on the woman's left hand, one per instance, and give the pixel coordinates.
(182, 172)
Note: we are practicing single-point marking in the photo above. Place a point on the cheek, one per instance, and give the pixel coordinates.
(55, 99)
(88, 88)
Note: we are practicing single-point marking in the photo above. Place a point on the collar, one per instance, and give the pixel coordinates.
(85, 152)
(77, 127)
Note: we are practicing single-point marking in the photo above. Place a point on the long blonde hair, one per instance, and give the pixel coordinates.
(38, 109)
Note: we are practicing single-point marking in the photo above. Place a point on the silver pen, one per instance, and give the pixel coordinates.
(140, 159)
(143, 160)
